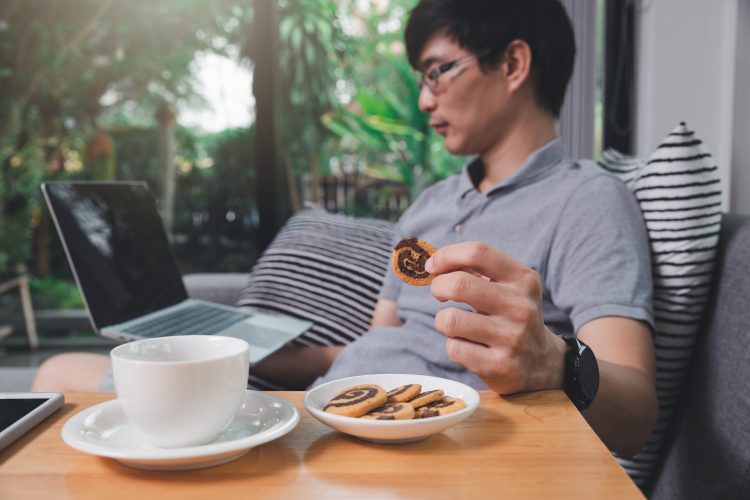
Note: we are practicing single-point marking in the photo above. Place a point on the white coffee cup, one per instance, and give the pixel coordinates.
(182, 390)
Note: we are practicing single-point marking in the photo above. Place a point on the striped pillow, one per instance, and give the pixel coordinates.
(325, 268)
(679, 194)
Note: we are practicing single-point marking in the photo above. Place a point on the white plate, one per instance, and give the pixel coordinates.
(391, 431)
(103, 430)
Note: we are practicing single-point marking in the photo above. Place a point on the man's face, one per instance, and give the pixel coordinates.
(467, 107)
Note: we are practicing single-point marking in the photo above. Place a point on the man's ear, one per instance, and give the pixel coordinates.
(517, 64)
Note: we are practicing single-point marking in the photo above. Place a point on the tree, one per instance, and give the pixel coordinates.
(68, 67)
(383, 122)
(310, 47)
(349, 90)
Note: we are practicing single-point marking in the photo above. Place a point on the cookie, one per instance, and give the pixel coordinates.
(426, 398)
(409, 257)
(392, 411)
(357, 400)
(404, 393)
(442, 406)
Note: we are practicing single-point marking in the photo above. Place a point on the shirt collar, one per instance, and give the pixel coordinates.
(537, 165)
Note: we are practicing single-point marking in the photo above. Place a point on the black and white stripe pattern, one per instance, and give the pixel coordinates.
(325, 268)
(679, 194)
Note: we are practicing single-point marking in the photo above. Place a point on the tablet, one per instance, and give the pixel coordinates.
(21, 411)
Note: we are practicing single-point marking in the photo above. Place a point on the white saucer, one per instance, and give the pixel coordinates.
(391, 431)
(103, 430)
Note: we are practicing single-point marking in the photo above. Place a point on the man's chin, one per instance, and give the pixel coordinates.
(455, 147)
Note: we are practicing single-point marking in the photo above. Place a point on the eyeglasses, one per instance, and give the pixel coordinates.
(432, 78)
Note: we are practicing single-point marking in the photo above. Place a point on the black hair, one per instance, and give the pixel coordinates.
(490, 25)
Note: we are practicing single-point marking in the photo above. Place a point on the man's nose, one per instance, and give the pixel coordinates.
(427, 100)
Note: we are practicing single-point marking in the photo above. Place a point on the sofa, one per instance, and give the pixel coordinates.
(707, 450)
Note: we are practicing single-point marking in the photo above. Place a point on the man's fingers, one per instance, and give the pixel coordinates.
(478, 257)
(492, 365)
(492, 331)
(455, 322)
(485, 296)
(480, 329)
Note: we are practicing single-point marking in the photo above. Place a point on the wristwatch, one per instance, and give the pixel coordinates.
(581, 373)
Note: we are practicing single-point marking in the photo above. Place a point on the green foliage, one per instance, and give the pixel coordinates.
(385, 124)
(308, 45)
(219, 184)
(136, 154)
(219, 180)
(350, 76)
(54, 293)
(214, 177)
(346, 92)
(75, 67)
(231, 152)
(311, 45)
(67, 68)
(21, 170)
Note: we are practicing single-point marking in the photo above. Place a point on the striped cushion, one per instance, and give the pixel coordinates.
(679, 194)
(325, 268)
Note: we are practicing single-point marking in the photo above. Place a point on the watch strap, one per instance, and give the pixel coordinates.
(581, 380)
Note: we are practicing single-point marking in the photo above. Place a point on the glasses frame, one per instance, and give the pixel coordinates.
(434, 74)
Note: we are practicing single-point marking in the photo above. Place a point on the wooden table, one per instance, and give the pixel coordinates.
(526, 446)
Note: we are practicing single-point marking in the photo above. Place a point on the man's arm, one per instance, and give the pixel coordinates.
(385, 314)
(297, 367)
(625, 408)
(505, 342)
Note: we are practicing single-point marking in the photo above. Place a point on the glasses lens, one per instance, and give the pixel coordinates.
(429, 80)
(433, 80)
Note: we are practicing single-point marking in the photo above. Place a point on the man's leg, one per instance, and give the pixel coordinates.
(72, 372)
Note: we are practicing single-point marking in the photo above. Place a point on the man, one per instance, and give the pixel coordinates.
(533, 247)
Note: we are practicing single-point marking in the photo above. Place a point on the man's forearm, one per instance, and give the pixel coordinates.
(296, 367)
(625, 409)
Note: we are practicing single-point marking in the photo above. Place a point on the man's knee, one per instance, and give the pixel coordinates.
(71, 372)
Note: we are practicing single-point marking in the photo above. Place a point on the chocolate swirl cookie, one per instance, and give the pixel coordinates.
(391, 411)
(409, 257)
(404, 393)
(427, 397)
(356, 401)
(441, 407)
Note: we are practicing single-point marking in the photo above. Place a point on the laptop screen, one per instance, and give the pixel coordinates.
(117, 248)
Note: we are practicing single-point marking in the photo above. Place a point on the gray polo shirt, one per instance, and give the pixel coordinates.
(577, 226)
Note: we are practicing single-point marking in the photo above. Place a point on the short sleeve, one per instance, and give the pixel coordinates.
(599, 262)
(392, 285)
(391, 288)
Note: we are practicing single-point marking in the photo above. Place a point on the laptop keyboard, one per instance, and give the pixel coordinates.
(196, 319)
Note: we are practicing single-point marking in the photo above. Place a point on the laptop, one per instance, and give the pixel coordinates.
(123, 264)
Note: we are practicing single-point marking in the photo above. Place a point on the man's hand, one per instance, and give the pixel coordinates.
(504, 340)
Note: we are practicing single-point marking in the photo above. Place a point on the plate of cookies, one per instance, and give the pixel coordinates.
(391, 408)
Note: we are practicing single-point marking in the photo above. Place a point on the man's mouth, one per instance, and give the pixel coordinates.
(440, 127)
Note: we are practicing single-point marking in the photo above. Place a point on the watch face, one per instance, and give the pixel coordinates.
(581, 373)
(588, 372)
